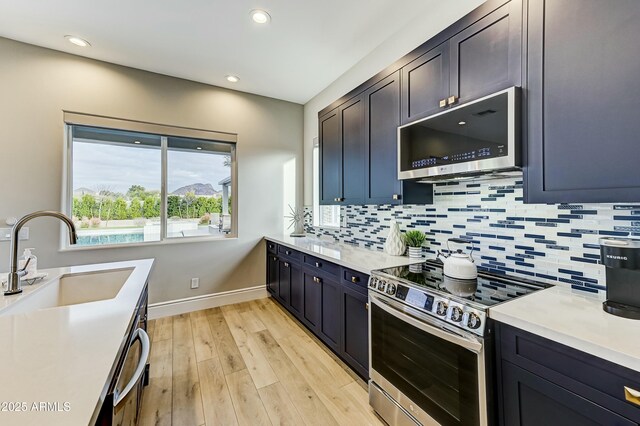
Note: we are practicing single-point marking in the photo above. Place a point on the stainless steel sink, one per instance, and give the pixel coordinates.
(72, 289)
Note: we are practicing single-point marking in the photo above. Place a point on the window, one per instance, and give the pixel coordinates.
(134, 187)
(323, 216)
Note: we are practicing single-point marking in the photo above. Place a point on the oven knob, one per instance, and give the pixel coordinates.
(372, 283)
(474, 321)
(381, 285)
(441, 308)
(391, 289)
(456, 314)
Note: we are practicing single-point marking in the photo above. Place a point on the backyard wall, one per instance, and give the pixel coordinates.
(37, 84)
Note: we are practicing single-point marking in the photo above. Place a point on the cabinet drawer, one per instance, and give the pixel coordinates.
(355, 280)
(322, 265)
(272, 247)
(598, 380)
(290, 253)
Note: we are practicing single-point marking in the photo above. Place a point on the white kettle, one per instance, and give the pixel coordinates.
(458, 264)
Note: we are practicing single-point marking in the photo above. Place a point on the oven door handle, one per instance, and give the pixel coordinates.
(118, 397)
(428, 325)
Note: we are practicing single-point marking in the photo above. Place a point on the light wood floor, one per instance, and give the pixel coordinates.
(247, 364)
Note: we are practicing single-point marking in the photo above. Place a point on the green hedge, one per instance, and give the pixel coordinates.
(188, 206)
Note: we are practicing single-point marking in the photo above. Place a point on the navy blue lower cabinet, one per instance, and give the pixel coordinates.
(284, 279)
(355, 326)
(542, 382)
(296, 290)
(329, 300)
(331, 312)
(531, 400)
(312, 300)
(273, 284)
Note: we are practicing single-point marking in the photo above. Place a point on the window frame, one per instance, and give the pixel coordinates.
(72, 119)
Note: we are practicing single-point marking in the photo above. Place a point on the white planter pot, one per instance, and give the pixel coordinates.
(415, 252)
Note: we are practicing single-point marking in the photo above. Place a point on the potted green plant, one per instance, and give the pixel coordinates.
(414, 240)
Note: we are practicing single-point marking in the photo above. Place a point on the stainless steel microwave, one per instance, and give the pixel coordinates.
(477, 138)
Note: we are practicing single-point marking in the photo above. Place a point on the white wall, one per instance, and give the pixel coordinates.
(37, 84)
(419, 30)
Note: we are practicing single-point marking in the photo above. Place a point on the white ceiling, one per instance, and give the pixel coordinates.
(307, 45)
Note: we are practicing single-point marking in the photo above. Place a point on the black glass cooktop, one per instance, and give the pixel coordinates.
(487, 289)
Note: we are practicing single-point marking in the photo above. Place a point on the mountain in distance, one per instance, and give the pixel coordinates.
(79, 192)
(201, 189)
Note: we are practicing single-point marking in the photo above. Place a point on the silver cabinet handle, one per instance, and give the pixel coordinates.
(395, 196)
(355, 279)
(286, 264)
(317, 280)
(452, 100)
(118, 397)
(443, 103)
(318, 265)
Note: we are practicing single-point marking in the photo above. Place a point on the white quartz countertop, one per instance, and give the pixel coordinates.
(64, 355)
(576, 320)
(356, 258)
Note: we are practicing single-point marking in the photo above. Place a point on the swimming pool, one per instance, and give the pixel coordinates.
(93, 240)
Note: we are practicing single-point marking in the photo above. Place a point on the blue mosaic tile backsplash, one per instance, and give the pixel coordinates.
(555, 243)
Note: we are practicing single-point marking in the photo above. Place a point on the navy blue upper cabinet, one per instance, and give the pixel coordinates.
(330, 158)
(382, 118)
(481, 59)
(342, 154)
(381, 130)
(583, 99)
(487, 56)
(425, 84)
(352, 115)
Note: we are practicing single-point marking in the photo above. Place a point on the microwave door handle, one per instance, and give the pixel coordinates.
(467, 343)
(118, 397)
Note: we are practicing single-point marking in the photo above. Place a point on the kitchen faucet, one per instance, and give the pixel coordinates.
(13, 281)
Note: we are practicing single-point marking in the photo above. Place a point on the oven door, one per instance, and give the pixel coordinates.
(431, 371)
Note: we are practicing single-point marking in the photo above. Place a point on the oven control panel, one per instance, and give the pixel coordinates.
(446, 309)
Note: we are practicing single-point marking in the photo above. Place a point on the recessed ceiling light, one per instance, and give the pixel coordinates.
(136, 142)
(462, 123)
(77, 41)
(198, 147)
(233, 78)
(260, 16)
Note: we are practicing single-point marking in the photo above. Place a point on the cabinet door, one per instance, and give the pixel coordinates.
(352, 117)
(272, 274)
(331, 309)
(583, 99)
(486, 57)
(312, 313)
(356, 331)
(382, 107)
(531, 400)
(296, 290)
(425, 82)
(330, 157)
(284, 280)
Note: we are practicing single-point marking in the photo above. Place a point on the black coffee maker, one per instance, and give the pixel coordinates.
(621, 256)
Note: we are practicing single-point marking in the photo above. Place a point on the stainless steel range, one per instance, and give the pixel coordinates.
(431, 345)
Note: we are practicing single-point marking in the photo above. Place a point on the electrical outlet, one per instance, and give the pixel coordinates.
(5, 234)
(195, 282)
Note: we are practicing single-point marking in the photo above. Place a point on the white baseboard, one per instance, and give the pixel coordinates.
(197, 303)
